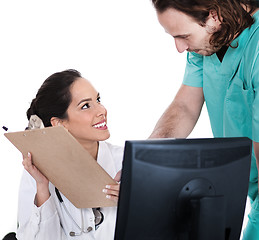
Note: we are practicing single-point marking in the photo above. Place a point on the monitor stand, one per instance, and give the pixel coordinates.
(203, 211)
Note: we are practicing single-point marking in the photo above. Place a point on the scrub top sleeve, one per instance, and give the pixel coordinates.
(255, 107)
(193, 75)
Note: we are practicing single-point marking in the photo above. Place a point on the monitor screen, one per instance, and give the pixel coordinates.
(183, 189)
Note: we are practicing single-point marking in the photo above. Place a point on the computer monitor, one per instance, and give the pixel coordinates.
(184, 189)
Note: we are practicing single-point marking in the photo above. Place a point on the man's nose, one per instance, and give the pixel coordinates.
(181, 45)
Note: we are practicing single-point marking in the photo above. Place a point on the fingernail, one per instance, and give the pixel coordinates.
(105, 190)
(108, 196)
(108, 186)
(29, 154)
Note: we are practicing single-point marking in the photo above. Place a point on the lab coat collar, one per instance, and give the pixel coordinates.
(105, 159)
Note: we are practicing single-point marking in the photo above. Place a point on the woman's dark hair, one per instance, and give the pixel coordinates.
(234, 18)
(53, 97)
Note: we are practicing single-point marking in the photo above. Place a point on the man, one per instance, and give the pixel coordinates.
(222, 41)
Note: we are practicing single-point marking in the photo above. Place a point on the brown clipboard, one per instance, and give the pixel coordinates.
(68, 166)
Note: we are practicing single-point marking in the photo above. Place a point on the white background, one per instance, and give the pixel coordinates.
(118, 45)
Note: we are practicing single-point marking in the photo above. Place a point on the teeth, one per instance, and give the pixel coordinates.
(100, 125)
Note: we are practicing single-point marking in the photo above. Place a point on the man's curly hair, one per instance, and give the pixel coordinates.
(235, 15)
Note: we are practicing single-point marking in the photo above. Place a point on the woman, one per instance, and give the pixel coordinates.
(67, 99)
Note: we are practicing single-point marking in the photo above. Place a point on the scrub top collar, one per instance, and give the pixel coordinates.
(232, 57)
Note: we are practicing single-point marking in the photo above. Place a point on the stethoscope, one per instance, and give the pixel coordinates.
(99, 217)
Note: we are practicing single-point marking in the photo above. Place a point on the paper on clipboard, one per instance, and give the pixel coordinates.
(61, 158)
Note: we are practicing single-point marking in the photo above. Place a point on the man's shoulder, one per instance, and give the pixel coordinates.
(252, 45)
(254, 29)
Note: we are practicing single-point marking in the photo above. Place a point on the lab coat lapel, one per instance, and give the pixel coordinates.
(105, 159)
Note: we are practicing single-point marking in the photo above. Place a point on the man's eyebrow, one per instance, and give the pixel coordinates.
(85, 100)
(181, 36)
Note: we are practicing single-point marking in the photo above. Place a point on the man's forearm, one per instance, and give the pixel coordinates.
(181, 116)
(176, 122)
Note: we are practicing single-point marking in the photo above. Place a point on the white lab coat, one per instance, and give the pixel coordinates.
(50, 221)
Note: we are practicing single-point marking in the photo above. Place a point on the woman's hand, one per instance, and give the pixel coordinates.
(41, 181)
(112, 191)
(33, 171)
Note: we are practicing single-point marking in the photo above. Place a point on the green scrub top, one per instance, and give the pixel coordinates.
(231, 92)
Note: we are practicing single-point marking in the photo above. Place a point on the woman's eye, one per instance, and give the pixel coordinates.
(98, 99)
(85, 106)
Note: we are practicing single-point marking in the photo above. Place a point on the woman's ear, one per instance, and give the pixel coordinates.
(58, 122)
(55, 122)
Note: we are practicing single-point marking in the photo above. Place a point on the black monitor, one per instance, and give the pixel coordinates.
(184, 189)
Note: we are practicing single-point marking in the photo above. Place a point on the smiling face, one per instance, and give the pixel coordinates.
(187, 33)
(86, 115)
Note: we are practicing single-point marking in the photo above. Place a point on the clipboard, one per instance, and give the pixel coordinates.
(67, 165)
